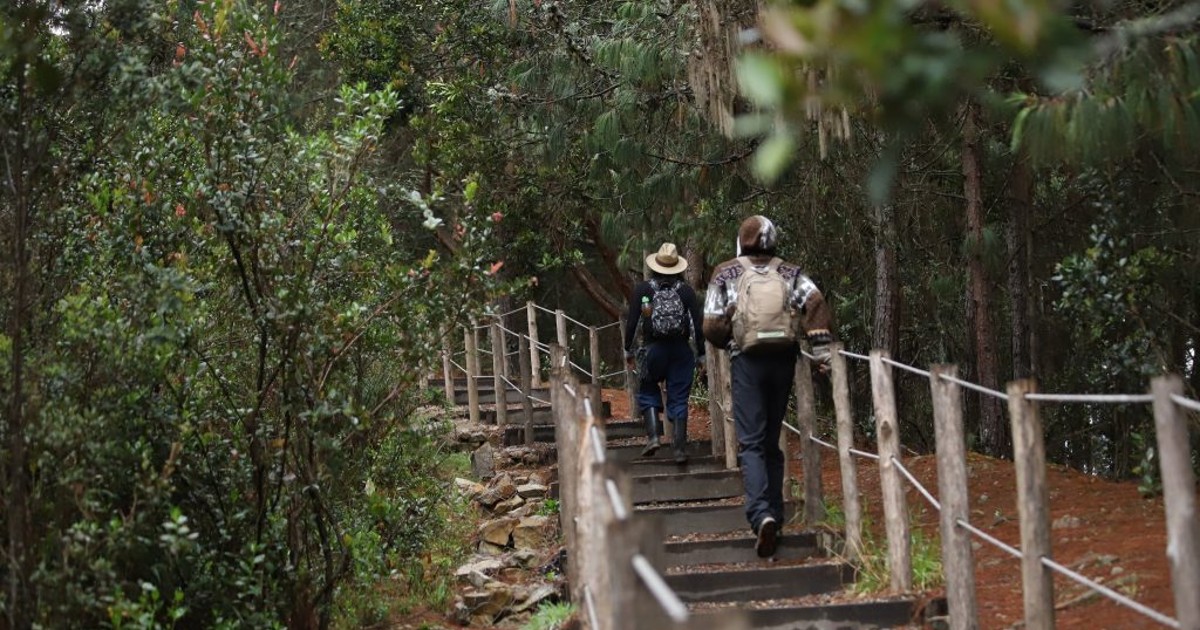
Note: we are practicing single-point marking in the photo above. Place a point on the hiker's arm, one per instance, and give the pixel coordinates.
(697, 315)
(816, 318)
(717, 327)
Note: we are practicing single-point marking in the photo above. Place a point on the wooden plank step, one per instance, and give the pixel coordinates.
(704, 519)
(514, 432)
(891, 613)
(792, 546)
(664, 465)
(487, 396)
(632, 453)
(761, 582)
(541, 414)
(687, 486)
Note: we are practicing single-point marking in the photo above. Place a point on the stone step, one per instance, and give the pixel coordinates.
(841, 616)
(632, 453)
(687, 486)
(704, 519)
(760, 582)
(487, 396)
(792, 546)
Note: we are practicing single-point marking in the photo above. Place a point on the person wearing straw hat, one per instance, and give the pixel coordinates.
(670, 316)
(762, 337)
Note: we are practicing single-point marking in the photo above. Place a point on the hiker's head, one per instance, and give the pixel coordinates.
(666, 261)
(756, 236)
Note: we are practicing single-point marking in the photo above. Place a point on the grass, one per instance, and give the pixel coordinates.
(873, 573)
(550, 617)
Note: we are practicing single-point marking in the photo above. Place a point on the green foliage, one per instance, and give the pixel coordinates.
(873, 575)
(549, 507)
(550, 616)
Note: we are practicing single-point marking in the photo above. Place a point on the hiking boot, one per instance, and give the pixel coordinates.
(650, 420)
(768, 537)
(679, 440)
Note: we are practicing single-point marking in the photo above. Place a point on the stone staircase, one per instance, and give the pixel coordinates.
(708, 551)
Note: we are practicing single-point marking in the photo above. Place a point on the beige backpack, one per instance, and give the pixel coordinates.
(764, 317)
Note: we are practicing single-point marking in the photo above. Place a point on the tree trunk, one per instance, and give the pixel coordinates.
(886, 328)
(710, 66)
(596, 291)
(18, 486)
(1020, 207)
(993, 436)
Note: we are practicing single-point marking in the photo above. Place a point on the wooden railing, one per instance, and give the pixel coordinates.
(618, 586)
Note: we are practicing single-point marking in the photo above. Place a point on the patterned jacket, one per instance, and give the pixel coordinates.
(816, 319)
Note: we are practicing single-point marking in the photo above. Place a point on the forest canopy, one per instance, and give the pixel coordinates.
(234, 234)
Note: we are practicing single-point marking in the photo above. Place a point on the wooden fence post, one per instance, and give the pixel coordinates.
(447, 373)
(957, 561)
(560, 328)
(565, 439)
(498, 384)
(728, 427)
(845, 433)
(716, 414)
(1029, 455)
(1179, 495)
(471, 341)
(597, 390)
(622, 536)
(526, 389)
(535, 359)
(810, 451)
(587, 499)
(895, 510)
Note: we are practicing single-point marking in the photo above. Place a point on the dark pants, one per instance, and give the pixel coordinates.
(762, 384)
(671, 361)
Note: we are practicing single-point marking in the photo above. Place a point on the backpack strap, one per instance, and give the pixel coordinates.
(775, 263)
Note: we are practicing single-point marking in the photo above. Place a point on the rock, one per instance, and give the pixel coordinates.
(511, 574)
(520, 480)
(519, 620)
(498, 531)
(536, 597)
(502, 488)
(504, 507)
(539, 478)
(532, 490)
(532, 458)
(488, 548)
(533, 532)
(483, 461)
(468, 487)
(523, 558)
(470, 436)
(479, 572)
(486, 603)
(1066, 522)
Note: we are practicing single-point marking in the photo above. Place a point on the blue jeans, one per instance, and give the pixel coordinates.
(762, 384)
(672, 361)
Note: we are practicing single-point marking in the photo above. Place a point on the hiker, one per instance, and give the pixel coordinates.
(755, 307)
(670, 314)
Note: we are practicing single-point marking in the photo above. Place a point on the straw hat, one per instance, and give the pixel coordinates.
(667, 260)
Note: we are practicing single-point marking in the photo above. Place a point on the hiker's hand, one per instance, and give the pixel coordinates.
(822, 358)
(730, 309)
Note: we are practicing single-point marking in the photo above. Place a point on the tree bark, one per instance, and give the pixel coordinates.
(710, 66)
(1020, 208)
(595, 291)
(18, 484)
(885, 333)
(608, 256)
(993, 436)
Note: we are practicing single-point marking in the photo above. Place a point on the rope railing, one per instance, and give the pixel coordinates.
(595, 539)
(1022, 402)
(666, 597)
(1186, 403)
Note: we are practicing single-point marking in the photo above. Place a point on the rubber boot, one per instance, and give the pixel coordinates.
(679, 440)
(650, 419)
